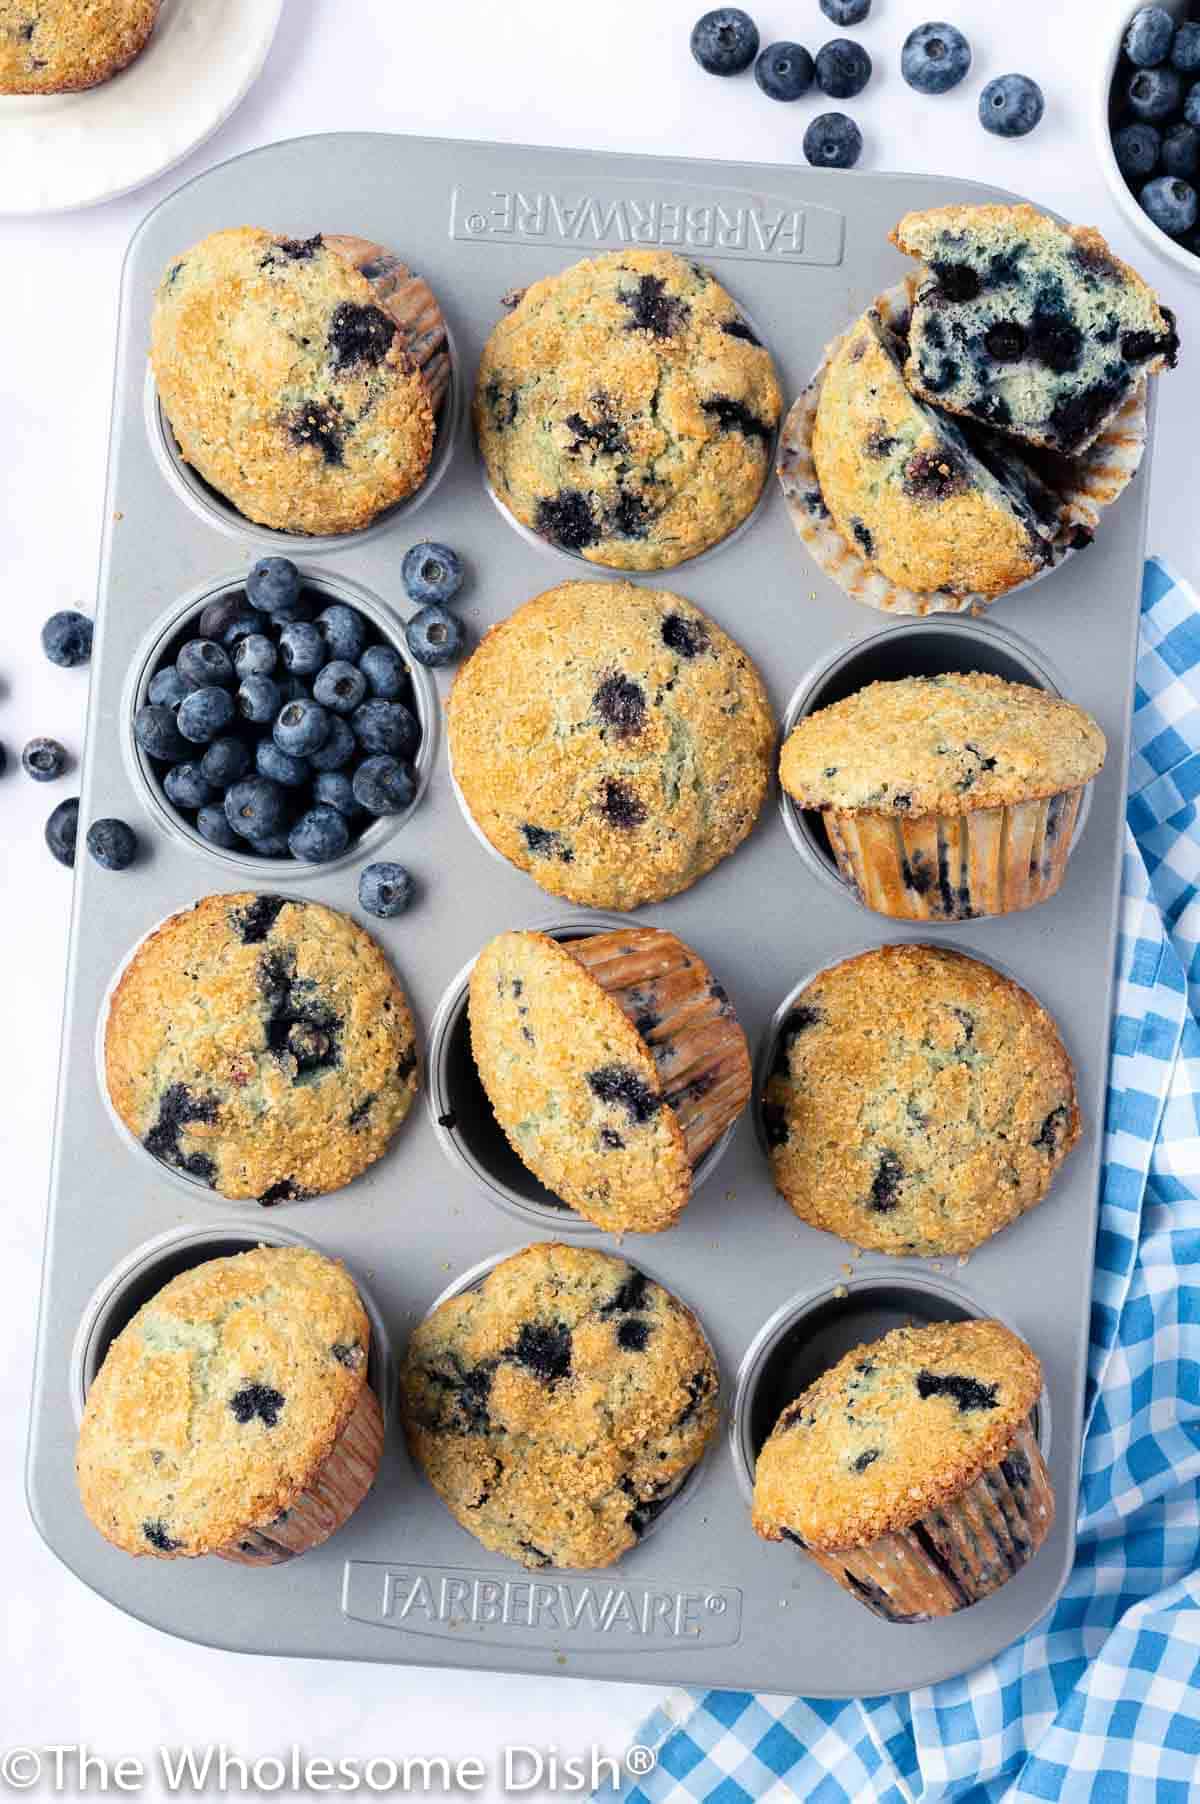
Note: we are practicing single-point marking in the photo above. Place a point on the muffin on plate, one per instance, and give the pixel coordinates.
(302, 377)
(946, 797)
(611, 741)
(614, 1114)
(559, 1404)
(232, 1415)
(61, 46)
(911, 1472)
(261, 1045)
(626, 411)
(918, 1101)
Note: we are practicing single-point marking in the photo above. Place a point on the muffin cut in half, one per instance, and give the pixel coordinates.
(62, 46)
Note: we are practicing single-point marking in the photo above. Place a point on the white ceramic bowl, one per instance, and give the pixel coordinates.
(1105, 111)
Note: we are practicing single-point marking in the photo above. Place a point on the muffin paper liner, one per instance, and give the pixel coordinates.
(956, 867)
(686, 1021)
(957, 1554)
(1086, 485)
(408, 301)
(328, 1500)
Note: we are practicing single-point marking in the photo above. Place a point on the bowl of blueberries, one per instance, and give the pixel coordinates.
(286, 716)
(1149, 127)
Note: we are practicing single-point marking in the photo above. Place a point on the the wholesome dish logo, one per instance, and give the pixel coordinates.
(763, 228)
(481, 1606)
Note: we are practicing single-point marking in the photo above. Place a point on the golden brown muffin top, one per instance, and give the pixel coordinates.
(59, 46)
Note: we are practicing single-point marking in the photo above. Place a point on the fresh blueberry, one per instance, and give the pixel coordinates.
(67, 638)
(385, 890)
(385, 671)
(340, 686)
(259, 699)
(205, 713)
(339, 747)
(1191, 106)
(273, 583)
(62, 829)
(1171, 204)
(432, 574)
(319, 835)
(434, 637)
(269, 845)
(224, 761)
(784, 71)
(935, 57)
(112, 843)
(382, 785)
(44, 760)
(212, 825)
(833, 141)
(1148, 40)
(1011, 106)
(302, 648)
(204, 664)
(725, 41)
(1136, 149)
(187, 786)
(385, 727)
(167, 688)
(155, 730)
(255, 655)
(1154, 93)
(301, 727)
(1185, 51)
(334, 789)
(1181, 150)
(344, 631)
(843, 69)
(220, 614)
(281, 767)
(244, 625)
(845, 12)
(256, 807)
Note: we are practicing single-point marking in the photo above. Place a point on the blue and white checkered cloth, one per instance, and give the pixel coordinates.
(1101, 1701)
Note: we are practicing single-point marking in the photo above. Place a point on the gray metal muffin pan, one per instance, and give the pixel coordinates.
(702, 1601)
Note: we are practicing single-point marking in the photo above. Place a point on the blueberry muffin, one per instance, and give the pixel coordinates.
(232, 1415)
(626, 411)
(261, 1045)
(1027, 325)
(302, 377)
(61, 46)
(946, 797)
(910, 1471)
(613, 1115)
(918, 1102)
(557, 1407)
(611, 741)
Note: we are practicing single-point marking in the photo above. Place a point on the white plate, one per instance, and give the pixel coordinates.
(59, 151)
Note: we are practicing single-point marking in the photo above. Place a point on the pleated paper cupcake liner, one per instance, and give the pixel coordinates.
(409, 302)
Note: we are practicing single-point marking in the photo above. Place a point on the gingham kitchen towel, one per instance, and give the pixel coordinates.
(1101, 1701)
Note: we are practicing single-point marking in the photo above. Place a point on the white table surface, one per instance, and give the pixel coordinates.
(616, 75)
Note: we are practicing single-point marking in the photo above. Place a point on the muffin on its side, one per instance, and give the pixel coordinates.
(559, 1405)
(611, 741)
(910, 1470)
(262, 1045)
(614, 1111)
(61, 46)
(918, 1103)
(946, 797)
(626, 411)
(232, 1415)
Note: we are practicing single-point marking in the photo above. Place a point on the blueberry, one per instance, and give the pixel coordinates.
(204, 664)
(246, 624)
(273, 583)
(281, 767)
(344, 631)
(1011, 106)
(256, 807)
(845, 12)
(302, 647)
(1153, 93)
(340, 686)
(212, 826)
(382, 785)
(1180, 150)
(725, 41)
(300, 609)
(113, 844)
(843, 69)
(67, 638)
(833, 141)
(1191, 106)
(167, 688)
(385, 890)
(224, 761)
(1171, 204)
(432, 574)
(205, 713)
(187, 786)
(301, 727)
(1148, 40)
(784, 71)
(44, 760)
(1136, 149)
(434, 637)
(269, 845)
(385, 671)
(319, 835)
(1185, 51)
(259, 699)
(293, 689)
(935, 57)
(61, 830)
(220, 614)
(155, 730)
(255, 655)
(335, 790)
(385, 727)
(339, 747)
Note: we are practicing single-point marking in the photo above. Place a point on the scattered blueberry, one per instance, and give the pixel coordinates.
(1154, 93)
(843, 69)
(434, 637)
(301, 727)
(61, 831)
(340, 686)
(725, 41)
(67, 638)
(432, 574)
(344, 631)
(935, 57)
(256, 807)
(259, 699)
(385, 671)
(224, 761)
(1181, 150)
(112, 843)
(186, 785)
(335, 790)
(1136, 149)
(319, 835)
(273, 583)
(281, 767)
(302, 647)
(1171, 204)
(205, 713)
(167, 688)
(385, 890)
(1148, 40)
(203, 664)
(1185, 51)
(339, 747)
(255, 655)
(155, 730)
(845, 12)
(212, 825)
(784, 71)
(833, 141)
(381, 726)
(1011, 106)
(44, 760)
(382, 785)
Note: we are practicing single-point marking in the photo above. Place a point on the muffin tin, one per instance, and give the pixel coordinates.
(702, 1601)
